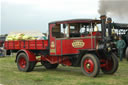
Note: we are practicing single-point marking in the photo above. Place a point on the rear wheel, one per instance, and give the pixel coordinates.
(24, 64)
(48, 65)
(90, 65)
(111, 65)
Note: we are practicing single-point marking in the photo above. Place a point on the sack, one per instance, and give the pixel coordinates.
(10, 38)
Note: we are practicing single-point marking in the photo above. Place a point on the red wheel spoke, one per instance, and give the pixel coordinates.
(22, 62)
(108, 65)
(88, 65)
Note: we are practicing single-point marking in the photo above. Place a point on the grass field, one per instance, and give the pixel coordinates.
(63, 75)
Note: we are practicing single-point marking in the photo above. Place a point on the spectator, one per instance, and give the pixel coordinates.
(120, 46)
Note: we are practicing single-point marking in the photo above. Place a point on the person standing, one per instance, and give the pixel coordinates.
(120, 46)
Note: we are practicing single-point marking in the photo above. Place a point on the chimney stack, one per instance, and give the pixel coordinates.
(109, 20)
(103, 26)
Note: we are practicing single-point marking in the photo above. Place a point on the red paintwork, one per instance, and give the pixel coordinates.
(95, 34)
(64, 46)
(30, 54)
(28, 44)
(61, 50)
(103, 63)
(52, 39)
(108, 65)
(89, 69)
(57, 59)
(57, 47)
(22, 62)
(69, 49)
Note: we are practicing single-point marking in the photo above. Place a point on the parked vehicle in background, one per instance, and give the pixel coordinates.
(2, 50)
(71, 43)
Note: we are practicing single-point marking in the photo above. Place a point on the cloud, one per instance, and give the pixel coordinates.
(58, 5)
(20, 1)
(19, 15)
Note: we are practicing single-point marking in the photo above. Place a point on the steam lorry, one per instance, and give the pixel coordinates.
(71, 43)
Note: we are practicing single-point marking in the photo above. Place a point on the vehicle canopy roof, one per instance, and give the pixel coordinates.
(120, 26)
(71, 21)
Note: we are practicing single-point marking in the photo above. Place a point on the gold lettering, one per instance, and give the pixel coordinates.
(78, 44)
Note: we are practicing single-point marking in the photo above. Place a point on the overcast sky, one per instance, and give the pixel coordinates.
(34, 15)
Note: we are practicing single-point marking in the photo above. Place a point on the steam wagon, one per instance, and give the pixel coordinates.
(71, 43)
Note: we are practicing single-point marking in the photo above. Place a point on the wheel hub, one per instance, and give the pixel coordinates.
(88, 65)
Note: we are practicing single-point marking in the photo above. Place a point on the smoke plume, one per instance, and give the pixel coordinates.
(114, 7)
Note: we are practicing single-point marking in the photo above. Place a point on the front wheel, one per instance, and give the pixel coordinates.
(90, 65)
(24, 64)
(111, 65)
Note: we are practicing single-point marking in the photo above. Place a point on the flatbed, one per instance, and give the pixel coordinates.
(26, 44)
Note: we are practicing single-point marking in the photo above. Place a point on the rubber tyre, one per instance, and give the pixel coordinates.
(29, 65)
(126, 53)
(48, 65)
(96, 63)
(114, 65)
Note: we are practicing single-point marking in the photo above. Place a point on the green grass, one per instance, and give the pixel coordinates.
(63, 75)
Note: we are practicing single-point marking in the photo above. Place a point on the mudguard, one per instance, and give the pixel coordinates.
(30, 55)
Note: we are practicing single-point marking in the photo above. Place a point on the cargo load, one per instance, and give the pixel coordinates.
(23, 36)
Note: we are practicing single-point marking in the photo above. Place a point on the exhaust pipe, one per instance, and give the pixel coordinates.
(109, 20)
(103, 26)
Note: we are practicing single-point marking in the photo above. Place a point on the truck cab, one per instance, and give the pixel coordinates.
(69, 37)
